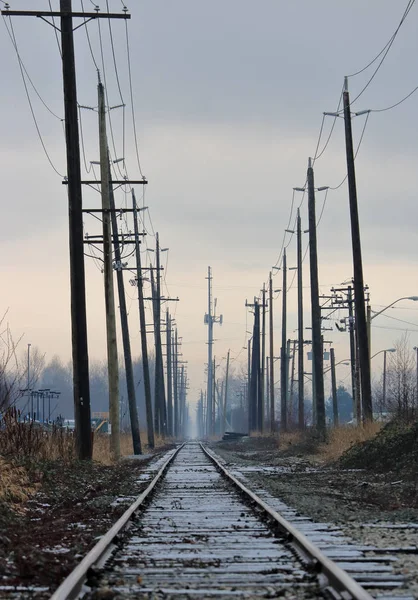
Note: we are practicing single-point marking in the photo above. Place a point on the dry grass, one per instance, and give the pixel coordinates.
(342, 438)
(307, 443)
(29, 440)
(15, 487)
(101, 446)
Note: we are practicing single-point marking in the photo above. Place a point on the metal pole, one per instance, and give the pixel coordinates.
(112, 349)
(317, 354)
(283, 356)
(361, 324)
(384, 378)
(301, 394)
(77, 276)
(142, 324)
(334, 389)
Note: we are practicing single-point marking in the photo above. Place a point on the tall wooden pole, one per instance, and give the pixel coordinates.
(301, 391)
(226, 394)
(360, 309)
(263, 363)
(169, 377)
(112, 349)
(271, 373)
(317, 353)
(283, 355)
(334, 389)
(142, 325)
(129, 373)
(76, 238)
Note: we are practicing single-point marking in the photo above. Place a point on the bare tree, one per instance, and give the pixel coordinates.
(14, 367)
(401, 380)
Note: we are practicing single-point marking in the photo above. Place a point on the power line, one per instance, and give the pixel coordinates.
(357, 150)
(391, 40)
(378, 110)
(88, 39)
(128, 54)
(386, 51)
(22, 72)
(22, 65)
(400, 320)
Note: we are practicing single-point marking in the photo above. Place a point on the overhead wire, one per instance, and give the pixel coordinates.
(385, 52)
(378, 110)
(55, 30)
(356, 152)
(22, 72)
(128, 54)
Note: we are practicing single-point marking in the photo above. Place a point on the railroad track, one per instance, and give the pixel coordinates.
(197, 531)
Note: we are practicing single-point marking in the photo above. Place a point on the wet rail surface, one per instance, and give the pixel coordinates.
(198, 538)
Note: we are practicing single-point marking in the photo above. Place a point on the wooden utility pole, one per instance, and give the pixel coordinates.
(334, 389)
(353, 355)
(317, 352)
(361, 322)
(255, 370)
(176, 386)
(129, 372)
(283, 356)
(301, 394)
(214, 396)
(169, 377)
(263, 363)
(142, 325)
(159, 366)
(81, 386)
(112, 349)
(226, 394)
(249, 384)
(292, 412)
(157, 394)
(77, 273)
(271, 373)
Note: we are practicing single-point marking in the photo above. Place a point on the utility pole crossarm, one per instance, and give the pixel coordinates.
(64, 13)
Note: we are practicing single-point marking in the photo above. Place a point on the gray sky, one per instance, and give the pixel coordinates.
(228, 97)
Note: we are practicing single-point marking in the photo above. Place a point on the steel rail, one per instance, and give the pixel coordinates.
(339, 581)
(71, 587)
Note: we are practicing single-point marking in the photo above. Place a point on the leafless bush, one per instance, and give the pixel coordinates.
(29, 439)
(400, 397)
(14, 369)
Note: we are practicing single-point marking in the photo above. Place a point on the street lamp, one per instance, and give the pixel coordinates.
(345, 362)
(370, 317)
(380, 352)
(416, 350)
(384, 368)
(376, 314)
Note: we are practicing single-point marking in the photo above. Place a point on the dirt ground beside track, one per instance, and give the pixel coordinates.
(323, 491)
(373, 508)
(43, 539)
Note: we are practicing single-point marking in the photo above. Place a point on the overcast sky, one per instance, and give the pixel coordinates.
(228, 98)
